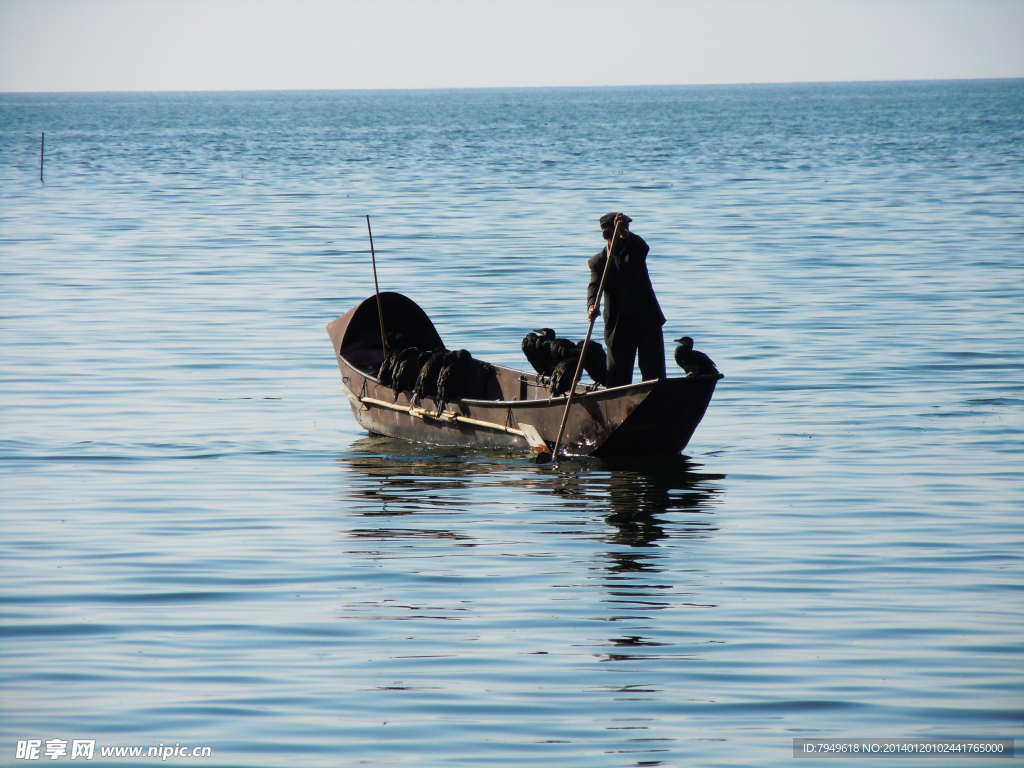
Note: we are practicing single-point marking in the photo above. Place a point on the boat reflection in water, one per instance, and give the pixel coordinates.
(538, 534)
(392, 478)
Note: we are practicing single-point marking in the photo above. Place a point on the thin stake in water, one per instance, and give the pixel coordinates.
(42, 143)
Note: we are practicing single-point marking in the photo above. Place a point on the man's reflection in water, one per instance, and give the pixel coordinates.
(638, 492)
(648, 500)
(669, 485)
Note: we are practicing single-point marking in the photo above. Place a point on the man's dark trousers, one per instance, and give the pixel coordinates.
(633, 337)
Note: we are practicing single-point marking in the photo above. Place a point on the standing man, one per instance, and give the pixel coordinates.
(632, 317)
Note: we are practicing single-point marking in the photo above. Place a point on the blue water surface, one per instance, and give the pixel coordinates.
(199, 546)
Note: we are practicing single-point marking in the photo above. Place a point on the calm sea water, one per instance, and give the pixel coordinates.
(199, 546)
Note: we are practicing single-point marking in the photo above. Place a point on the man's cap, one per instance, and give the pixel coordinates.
(608, 220)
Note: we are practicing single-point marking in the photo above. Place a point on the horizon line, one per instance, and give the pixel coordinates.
(523, 87)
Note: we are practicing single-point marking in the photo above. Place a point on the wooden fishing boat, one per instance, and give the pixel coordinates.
(652, 417)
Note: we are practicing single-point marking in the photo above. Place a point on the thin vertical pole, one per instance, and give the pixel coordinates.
(42, 143)
(586, 342)
(376, 289)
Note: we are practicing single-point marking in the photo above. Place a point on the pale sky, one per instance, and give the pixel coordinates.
(189, 45)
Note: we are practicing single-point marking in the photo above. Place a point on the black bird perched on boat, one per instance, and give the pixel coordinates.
(559, 350)
(692, 361)
(396, 343)
(404, 370)
(451, 377)
(562, 375)
(477, 380)
(549, 350)
(426, 382)
(537, 356)
(595, 362)
(384, 374)
(387, 368)
(460, 377)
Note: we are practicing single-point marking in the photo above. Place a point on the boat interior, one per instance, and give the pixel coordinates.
(362, 349)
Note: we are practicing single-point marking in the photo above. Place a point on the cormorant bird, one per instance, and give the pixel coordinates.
(546, 357)
(595, 362)
(559, 350)
(451, 378)
(692, 361)
(426, 382)
(404, 370)
(384, 374)
(396, 343)
(475, 384)
(562, 375)
(538, 358)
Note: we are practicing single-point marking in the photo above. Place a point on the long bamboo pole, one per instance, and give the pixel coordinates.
(376, 289)
(449, 416)
(583, 351)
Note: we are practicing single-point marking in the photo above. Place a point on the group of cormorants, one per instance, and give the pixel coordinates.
(446, 375)
(557, 359)
(441, 374)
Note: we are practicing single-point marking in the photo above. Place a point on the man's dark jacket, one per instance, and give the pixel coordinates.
(632, 255)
